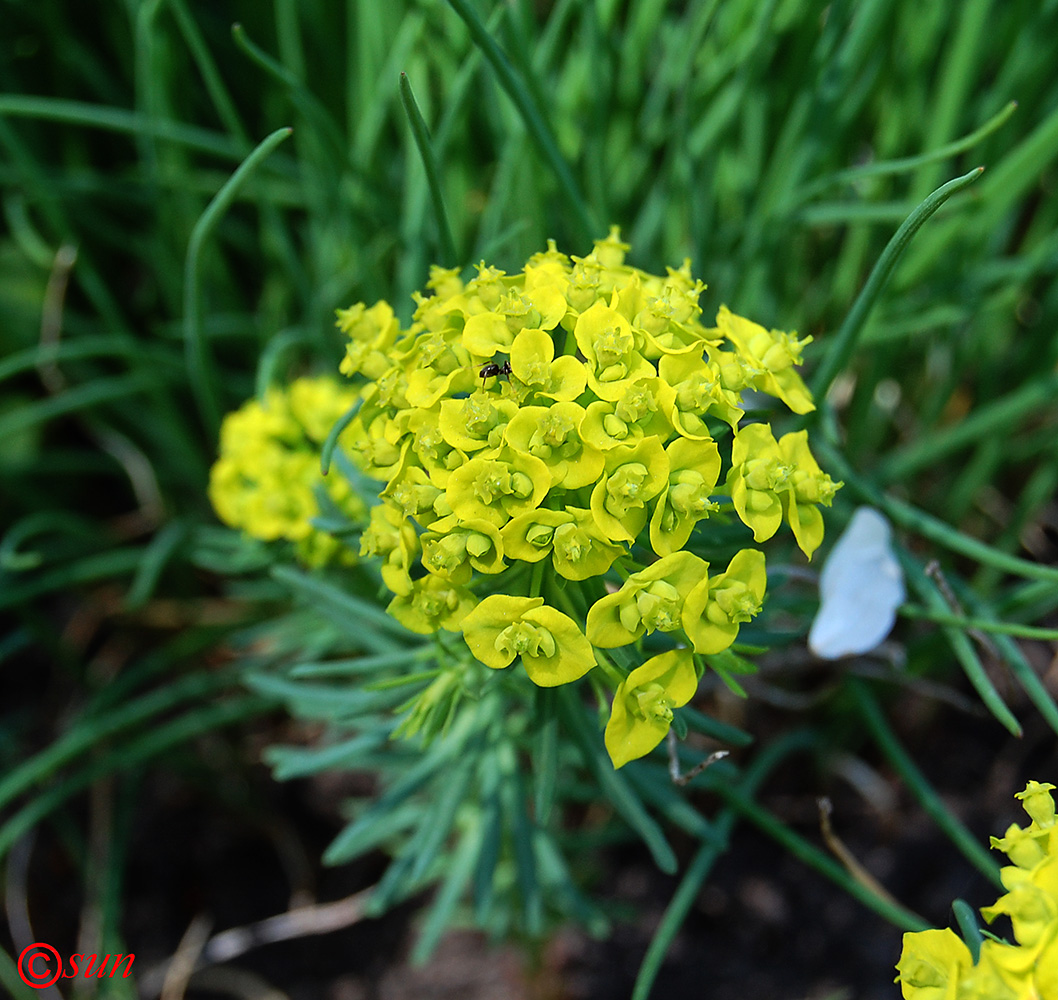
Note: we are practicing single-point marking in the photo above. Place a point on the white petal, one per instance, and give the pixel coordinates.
(860, 587)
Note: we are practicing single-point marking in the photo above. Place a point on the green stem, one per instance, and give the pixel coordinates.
(1020, 668)
(676, 913)
(841, 348)
(981, 624)
(961, 646)
(613, 674)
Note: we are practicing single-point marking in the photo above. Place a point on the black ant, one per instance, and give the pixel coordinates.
(493, 370)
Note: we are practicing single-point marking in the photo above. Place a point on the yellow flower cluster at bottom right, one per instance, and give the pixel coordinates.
(937, 965)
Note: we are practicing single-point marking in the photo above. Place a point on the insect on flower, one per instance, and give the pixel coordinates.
(493, 370)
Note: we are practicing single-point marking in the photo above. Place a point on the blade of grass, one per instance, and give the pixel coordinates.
(218, 91)
(304, 100)
(94, 346)
(956, 79)
(91, 731)
(101, 390)
(160, 549)
(421, 133)
(80, 113)
(111, 563)
(537, 127)
(992, 418)
(199, 359)
(906, 164)
(163, 737)
(1008, 181)
(840, 350)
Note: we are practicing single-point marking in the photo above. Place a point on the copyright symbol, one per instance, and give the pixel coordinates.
(28, 967)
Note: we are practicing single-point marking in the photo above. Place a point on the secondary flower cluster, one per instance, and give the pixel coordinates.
(537, 431)
(265, 479)
(937, 965)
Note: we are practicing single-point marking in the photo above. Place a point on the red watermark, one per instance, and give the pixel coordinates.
(40, 965)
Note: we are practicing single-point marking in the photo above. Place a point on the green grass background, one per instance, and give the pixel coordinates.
(167, 249)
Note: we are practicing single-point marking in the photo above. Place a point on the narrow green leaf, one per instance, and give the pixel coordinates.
(380, 829)
(98, 392)
(994, 418)
(157, 740)
(300, 762)
(484, 890)
(612, 784)
(159, 551)
(512, 794)
(545, 755)
(384, 630)
(331, 442)
(440, 819)
(916, 782)
(961, 645)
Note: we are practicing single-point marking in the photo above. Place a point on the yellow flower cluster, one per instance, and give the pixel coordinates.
(531, 429)
(269, 467)
(937, 965)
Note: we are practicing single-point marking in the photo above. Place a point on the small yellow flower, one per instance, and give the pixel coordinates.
(716, 607)
(552, 648)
